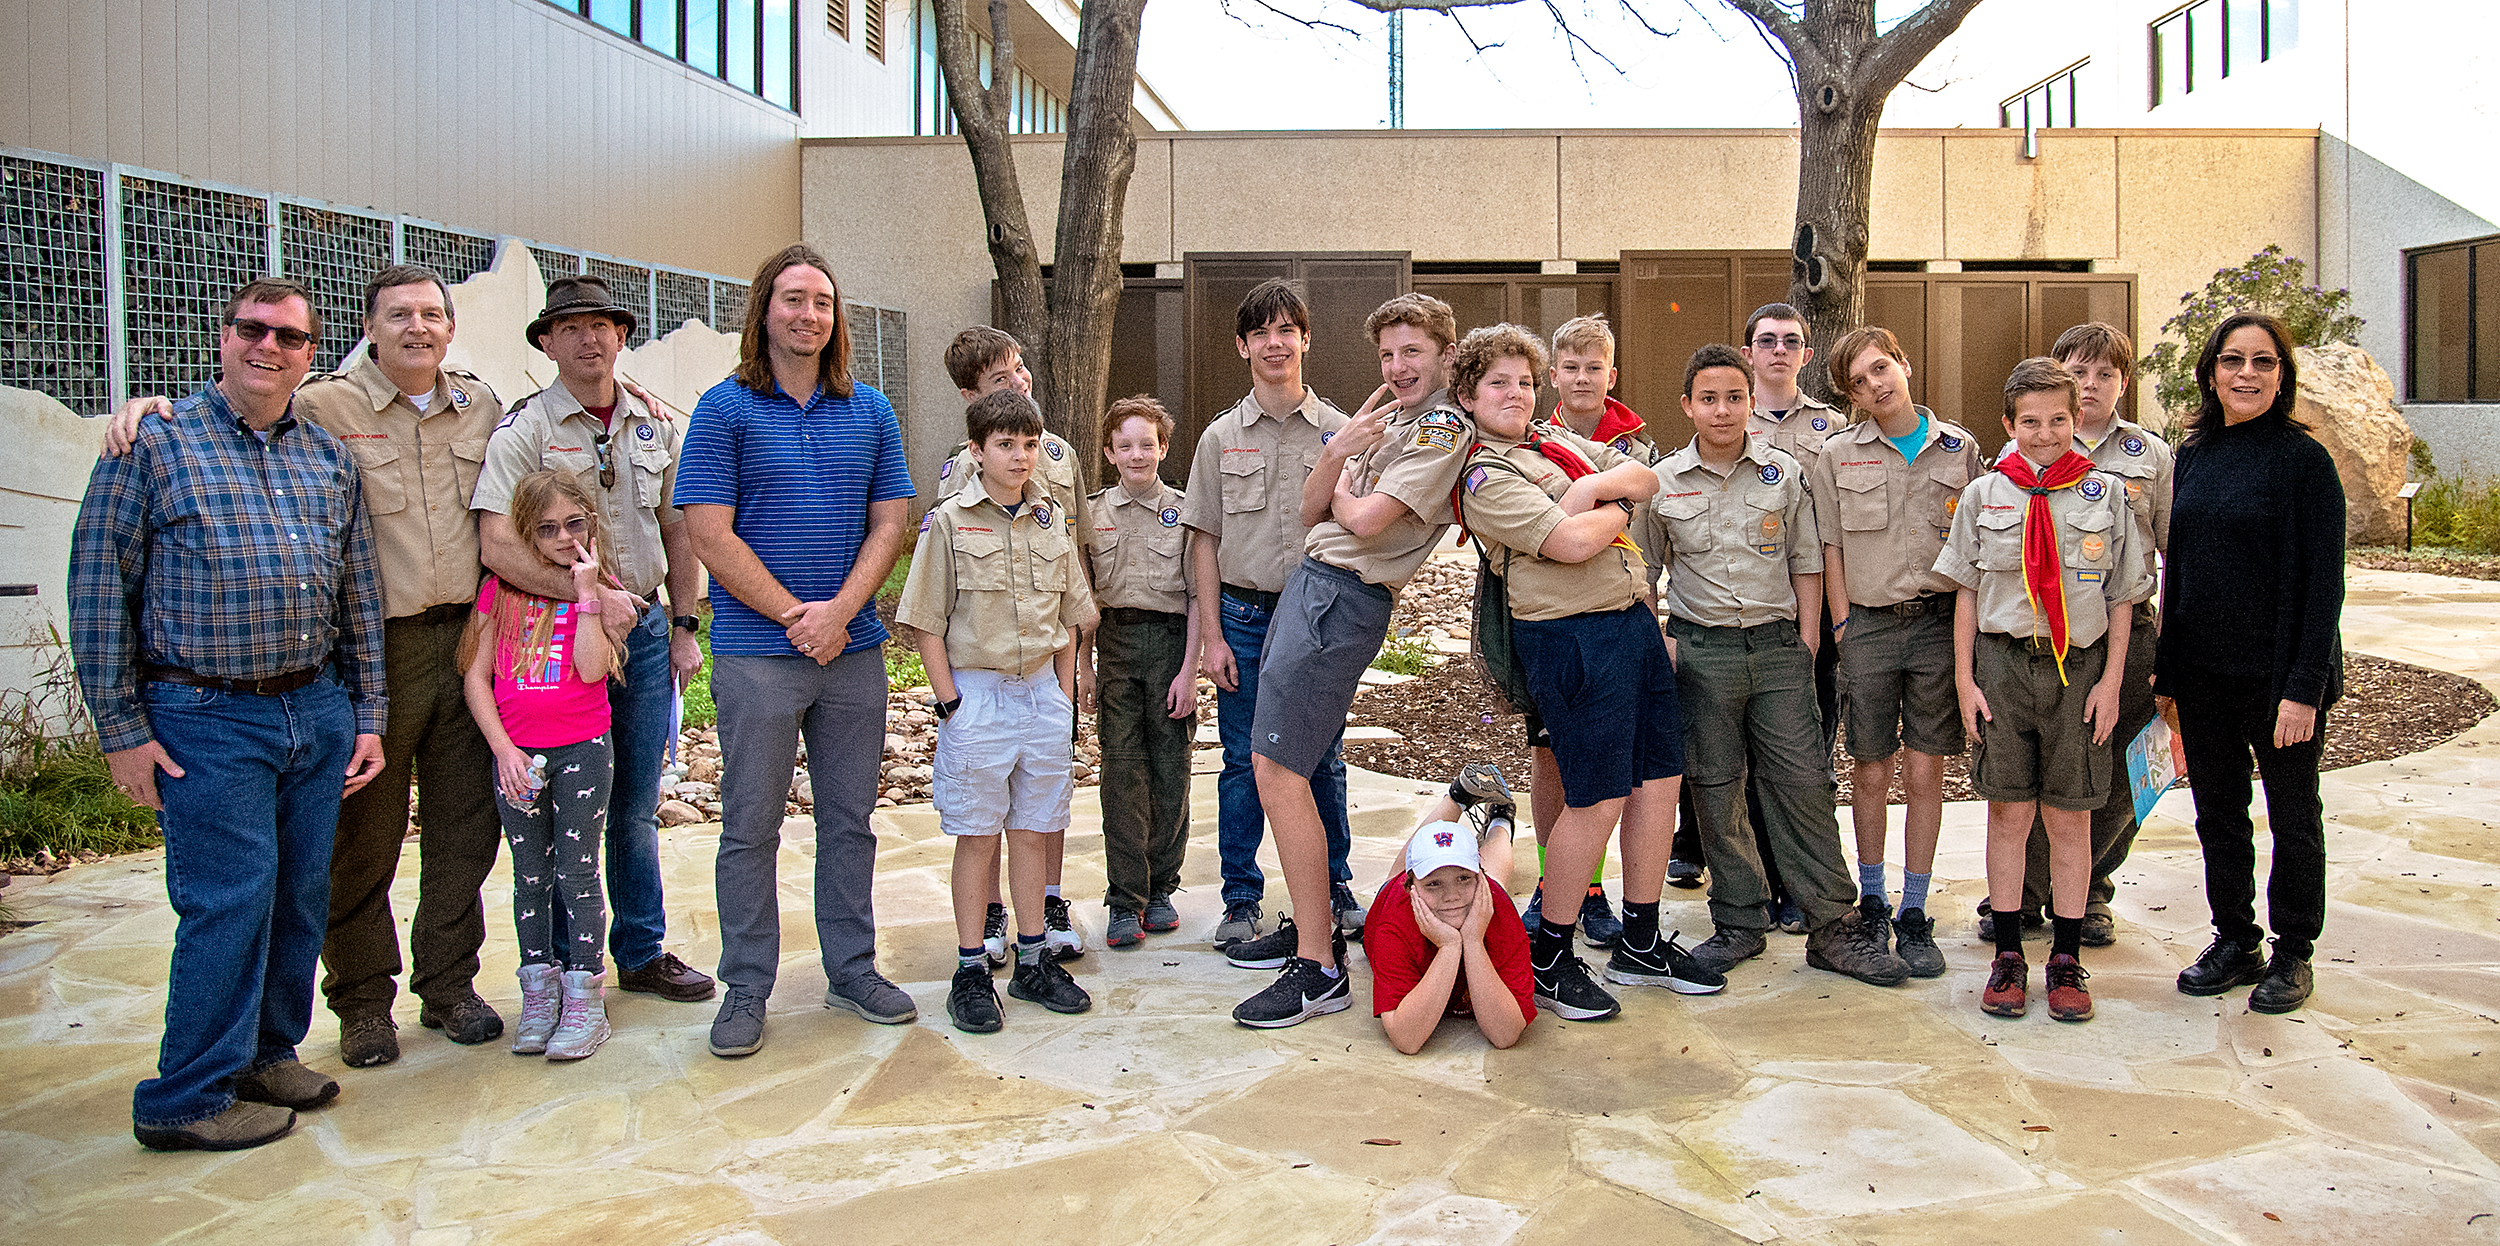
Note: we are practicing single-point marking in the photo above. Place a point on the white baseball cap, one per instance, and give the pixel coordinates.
(1439, 844)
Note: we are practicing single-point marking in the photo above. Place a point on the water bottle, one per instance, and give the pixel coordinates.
(538, 783)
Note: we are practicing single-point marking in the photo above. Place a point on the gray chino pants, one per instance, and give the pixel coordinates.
(765, 705)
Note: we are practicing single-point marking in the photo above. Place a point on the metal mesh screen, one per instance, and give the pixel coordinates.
(553, 263)
(185, 250)
(335, 253)
(729, 304)
(891, 360)
(52, 324)
(456, 256)
(632, 287)
(682, 297)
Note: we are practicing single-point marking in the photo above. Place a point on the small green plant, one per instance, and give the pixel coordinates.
(1406, 655)
(902, 666)
(2269, 282)
(697, 694)
(2458, 512)
(56, 792)
(2423, 465)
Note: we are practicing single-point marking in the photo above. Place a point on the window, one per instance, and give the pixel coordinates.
(2452, 322)
(2205, 42)
(2053, 103)
(838, 17)
(1032, 107)
(750, 44)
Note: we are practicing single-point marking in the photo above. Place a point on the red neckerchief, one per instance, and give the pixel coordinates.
(2044, 574)
(1560, 455)
(1619, 421)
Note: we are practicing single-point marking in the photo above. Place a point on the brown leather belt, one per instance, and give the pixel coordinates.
(1261, 598)
(1924, 603)
(270, 686)
(435, 616)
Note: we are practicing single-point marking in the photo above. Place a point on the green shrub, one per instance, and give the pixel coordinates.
(2269, 282)
(902, 666)
(1406, 655)
(2458, 512)
(697, 696)
(64, 800)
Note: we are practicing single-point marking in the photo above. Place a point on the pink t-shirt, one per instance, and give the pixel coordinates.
(548, 705)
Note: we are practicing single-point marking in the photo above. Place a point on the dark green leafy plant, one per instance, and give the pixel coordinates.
(2270, 282)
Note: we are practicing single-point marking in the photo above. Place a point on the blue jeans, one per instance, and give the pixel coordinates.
(638, 724)
(247, 866)
(1239, 822)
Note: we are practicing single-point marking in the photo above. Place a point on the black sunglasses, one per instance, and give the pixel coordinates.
(253, 331)
(607, 466)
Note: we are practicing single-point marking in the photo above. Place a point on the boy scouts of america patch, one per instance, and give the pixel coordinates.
(1056, 453)
(1821, 424)
(1171, 516)
(459, 396)
(643, 432)
(1438, 431)
(2132, 444)
(1475, 479)
(2091, 489)
(1442, 839)
(1770, 473)
(1951, 443)
(1323, 437)
(1041, 514)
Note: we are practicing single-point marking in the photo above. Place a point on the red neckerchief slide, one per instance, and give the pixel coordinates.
(2044, 575)
(1573, 467)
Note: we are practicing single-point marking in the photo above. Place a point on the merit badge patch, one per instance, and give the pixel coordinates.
(1951, 505)
(1770, 473)
(2135, 490)
(1056, 453)
(2091, 488)
(1951, 443)
(1171, 516)
(1821, 424)
(2094, 547)
(1439, 431)
(2132, 444)
(1475, 479)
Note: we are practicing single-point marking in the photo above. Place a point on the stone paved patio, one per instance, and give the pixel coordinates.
(1796, 1107)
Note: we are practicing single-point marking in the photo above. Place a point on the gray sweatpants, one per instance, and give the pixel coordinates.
(765, 705)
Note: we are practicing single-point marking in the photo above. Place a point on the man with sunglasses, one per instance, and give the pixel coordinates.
(589, 424)
(226, 619)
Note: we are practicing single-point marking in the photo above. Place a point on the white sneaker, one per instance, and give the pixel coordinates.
(1061, 940)
(585, 1024)
(541, 1008)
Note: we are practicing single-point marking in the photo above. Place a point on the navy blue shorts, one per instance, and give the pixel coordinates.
(1606, 693)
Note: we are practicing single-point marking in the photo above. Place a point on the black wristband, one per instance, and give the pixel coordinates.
(946, 709)
(686, 622)
(1629, 510)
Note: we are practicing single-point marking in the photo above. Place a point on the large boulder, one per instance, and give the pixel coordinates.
(2349, 404)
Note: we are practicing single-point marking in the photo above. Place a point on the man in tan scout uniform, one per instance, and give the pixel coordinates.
(626, 459)
(1245, 503)
(418, 431)
(1884, 493)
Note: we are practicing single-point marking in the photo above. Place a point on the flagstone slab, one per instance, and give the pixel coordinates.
(1822, 1151)
(2317, 1191)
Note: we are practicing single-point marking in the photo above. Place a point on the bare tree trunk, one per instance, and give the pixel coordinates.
(1100, 154)
(982, 117)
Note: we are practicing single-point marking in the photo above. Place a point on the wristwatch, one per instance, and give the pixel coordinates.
(1628, 508)
(686, 622)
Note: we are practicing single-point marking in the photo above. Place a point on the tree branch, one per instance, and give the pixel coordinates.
(1312, 23)
(1892, 57)
(1773, 21)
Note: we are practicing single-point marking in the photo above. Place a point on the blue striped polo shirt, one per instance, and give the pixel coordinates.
(801, 480)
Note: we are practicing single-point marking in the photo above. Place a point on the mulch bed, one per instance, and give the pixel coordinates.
(1448, 717)
(2479, 567)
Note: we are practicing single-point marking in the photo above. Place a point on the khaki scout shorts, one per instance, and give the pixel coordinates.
(2035, 744)
(1896, 680)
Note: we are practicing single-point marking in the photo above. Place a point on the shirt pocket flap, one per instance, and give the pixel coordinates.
(1245, 480)
(378, 468)
(981, 560)
(1951, 473)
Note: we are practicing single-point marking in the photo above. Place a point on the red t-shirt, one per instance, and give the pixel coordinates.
(1399, 953)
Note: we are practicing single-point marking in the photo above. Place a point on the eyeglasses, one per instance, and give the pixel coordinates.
(1792, 342)
(607, 466)
(575, 526)
(2263, 365)
(252, 331)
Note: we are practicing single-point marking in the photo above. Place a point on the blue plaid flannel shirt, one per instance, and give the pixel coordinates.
(206, 550)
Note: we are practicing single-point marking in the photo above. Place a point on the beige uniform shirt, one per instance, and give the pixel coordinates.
(1417, 462)
(1645, 529)
(1054, 466)
(1007, 593)
(1733, 541)
(1140, 550)
(1888, 517)
(1514, 511)
(1801, 431)
(2141, 461)
(1245, 487)
(551, 430)
(419, 473)
(2095, 531)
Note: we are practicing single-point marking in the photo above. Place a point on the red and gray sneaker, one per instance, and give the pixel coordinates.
(2068, 1000)
(2004, 995)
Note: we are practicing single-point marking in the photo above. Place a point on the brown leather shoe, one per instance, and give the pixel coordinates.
(667, 977)
(368, 1040)
(287, 1084)
(240, 1126)
(468, 1022)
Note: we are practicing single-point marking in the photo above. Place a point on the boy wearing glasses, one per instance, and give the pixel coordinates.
(626, 459)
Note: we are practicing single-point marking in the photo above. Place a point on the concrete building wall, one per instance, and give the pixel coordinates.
(505, 116)
(2136, 201)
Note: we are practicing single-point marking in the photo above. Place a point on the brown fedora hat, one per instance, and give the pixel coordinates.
(578, 296)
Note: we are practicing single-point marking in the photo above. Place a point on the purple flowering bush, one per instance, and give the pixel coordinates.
(2270, 282)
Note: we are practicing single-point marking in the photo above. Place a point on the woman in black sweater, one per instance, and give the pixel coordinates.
(2252, 651)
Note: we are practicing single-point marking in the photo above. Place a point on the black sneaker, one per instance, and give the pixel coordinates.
(972, 1002)
(994, 935)
(1665, 964)
(1877, 916)
(1348, 911)
(1043, 981)
(1684, 874)
(1598, 923)
(1060, 938)
(1268, 951)
(1727, 947)
(1914, 937)
(2286, 985)
(1301, 992)
(1533, 915)
(1565, 989)
(1160, 916)
(2224, 965)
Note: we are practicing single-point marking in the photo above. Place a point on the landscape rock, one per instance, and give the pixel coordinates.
(2349, 404)
(679, 813)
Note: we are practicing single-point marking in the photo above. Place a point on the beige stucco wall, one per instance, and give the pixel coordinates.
(2170, 206)
(501, 116)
